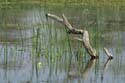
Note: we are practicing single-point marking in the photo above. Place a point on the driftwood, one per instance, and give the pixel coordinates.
(108, 53)
(72, 30)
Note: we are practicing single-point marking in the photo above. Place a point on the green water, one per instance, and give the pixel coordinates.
(36, 49)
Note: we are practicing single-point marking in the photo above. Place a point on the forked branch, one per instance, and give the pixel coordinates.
(84, 33)
(108, 53)
(65, 21)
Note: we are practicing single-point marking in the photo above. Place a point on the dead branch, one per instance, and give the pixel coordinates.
(84, 33)
(79, 39)
(88, 47)
(55, 17)
(108, 53)
(65, 21)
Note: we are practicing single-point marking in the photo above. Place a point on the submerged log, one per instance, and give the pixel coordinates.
(85, 35)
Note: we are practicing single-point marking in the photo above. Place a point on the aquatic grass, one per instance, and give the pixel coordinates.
(119, 44)
(39, 3)
(51, 47)
(65, 44)
(33, 54)
(51, 42)
(6, 55)
(38, 43)
(69, 49)
(5, 49)
(36, 49)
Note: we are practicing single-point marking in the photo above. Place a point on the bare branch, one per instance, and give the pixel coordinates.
(84, 33)
(87, 45)
(78, 39)
(71, 29)
(65, 21)
(55, 17)
(108, 53)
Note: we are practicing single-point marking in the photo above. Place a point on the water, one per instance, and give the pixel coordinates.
(36, 49)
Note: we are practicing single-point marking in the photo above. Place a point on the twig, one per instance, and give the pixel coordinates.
(65, 21)
(108, 53)
(78, 39)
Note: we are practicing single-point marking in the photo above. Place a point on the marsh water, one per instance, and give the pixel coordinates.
(36, 49)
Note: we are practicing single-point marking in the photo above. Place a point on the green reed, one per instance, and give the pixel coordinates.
(50, 40)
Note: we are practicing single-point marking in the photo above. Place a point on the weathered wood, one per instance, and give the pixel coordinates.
(87, 45)
(108, 53)
(69, 26)
(85, 35)
(65, 21)
(55, 17)
(79, 39)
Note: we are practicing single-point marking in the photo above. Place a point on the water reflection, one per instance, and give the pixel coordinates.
(107, 63)
(88, 68)
(75, 72)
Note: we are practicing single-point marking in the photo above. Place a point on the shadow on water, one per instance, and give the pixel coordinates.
(36, 50)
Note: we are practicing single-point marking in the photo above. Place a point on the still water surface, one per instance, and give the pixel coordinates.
(35, 49)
